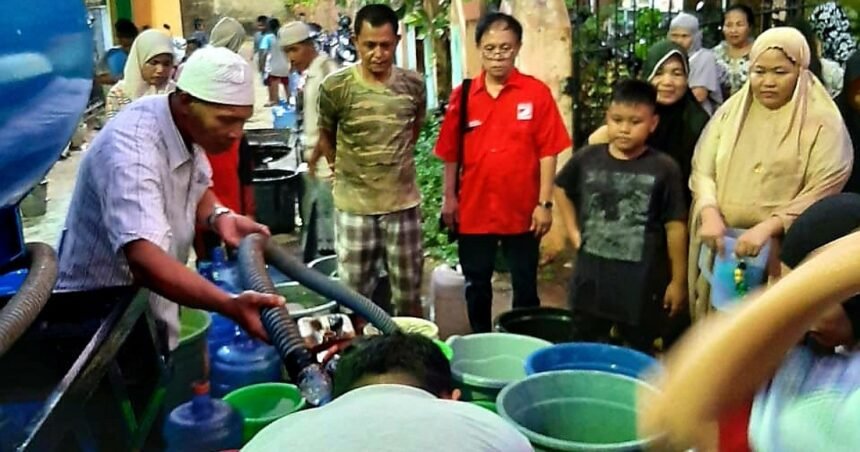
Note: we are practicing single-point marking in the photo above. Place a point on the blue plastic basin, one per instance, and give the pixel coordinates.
(590, 356)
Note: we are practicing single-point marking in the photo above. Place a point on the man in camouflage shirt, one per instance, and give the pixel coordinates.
(370, 116)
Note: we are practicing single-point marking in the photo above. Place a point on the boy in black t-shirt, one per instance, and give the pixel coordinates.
(624, 211)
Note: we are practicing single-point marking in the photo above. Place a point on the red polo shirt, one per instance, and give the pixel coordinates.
(505, 140)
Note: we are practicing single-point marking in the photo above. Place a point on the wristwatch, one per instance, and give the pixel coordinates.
(216, 212)
(546, 204)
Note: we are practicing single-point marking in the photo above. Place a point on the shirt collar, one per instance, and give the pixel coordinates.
(177, 152)
(479, 83)
(316, 64)
(386, 389)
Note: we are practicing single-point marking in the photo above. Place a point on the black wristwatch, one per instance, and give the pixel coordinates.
(546, 204)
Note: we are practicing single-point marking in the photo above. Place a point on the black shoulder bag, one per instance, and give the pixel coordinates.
(463, 125)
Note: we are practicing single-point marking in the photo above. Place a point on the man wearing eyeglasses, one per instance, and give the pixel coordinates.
(512, 136)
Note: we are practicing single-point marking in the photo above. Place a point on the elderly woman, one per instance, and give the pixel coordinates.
(147, 71)
(767, 154)
(733, 53)
(704, 75)
(682, 118)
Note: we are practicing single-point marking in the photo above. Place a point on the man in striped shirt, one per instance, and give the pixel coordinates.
(144, 185)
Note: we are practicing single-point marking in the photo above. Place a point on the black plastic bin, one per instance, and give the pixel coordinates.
(551, 324)
(276, 193)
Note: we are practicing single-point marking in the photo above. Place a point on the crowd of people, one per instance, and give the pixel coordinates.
(743, 137)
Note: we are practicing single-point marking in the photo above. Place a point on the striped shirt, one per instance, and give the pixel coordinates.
(137, 181)
(375, 129)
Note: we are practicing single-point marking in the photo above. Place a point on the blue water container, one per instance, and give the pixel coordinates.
(15, 419)
(203, 425)
(223, 273)
(284, 117)
(243, 362)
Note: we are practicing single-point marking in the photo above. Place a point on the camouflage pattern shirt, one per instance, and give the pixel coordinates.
(375, 127)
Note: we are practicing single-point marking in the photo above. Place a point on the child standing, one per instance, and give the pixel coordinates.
(624, 211)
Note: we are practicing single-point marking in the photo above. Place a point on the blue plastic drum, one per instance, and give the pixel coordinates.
(590, 356)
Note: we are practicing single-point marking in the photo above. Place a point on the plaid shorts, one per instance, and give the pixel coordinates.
(364, 242)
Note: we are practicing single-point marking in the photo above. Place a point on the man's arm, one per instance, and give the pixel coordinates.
(542, 217)
(164, 275)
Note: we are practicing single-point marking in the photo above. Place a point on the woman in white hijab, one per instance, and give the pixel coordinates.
(704, 77)
(147, 71)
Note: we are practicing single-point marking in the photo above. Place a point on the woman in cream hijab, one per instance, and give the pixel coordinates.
(147, 71)
(769, 152)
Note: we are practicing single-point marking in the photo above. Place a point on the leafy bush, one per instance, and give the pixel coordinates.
(430, 169)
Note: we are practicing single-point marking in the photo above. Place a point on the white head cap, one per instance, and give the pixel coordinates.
(293, 33)
(217, 75)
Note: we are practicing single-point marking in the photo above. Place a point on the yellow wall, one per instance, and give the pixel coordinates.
(155, 13)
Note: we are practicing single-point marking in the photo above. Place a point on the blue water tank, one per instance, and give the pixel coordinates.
(244, 362)
(203, 425)
(46, 71)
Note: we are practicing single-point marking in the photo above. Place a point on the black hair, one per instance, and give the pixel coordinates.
(634, 92)
(498, 18)
(315, 27)
(376, 15)
(827, 220)
(744, 9)
(274, 25)
(125, 29)
(197, 22)
(262, 19)
(405, 353)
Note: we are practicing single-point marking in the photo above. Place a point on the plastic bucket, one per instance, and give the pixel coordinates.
(446, 349)
(589, 356)
(721, 275)
(303, 302)
(551, 324)
(189, 358)
(264, 403)
(576, 410)
(276, 192)
(415, 325)
(484, 363)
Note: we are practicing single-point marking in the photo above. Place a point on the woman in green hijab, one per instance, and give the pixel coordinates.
(682, 117)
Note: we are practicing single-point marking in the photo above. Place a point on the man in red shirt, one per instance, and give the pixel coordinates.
(513, 134)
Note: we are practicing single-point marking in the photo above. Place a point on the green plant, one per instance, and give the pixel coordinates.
(429, 172)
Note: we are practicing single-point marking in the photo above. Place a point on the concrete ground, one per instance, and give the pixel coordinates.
(553, 277)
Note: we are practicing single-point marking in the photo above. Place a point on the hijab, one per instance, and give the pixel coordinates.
(851, 116)
(229, 33)
(690, 23)
(680, 123)
(834, 30)
(146, 46)
(810, 105)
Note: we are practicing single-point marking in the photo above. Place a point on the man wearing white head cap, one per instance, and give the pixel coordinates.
(144, 185)
(296, 41)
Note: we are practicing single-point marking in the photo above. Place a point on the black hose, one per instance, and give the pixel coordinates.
(328, 288)
(282, 329)
(23, 308)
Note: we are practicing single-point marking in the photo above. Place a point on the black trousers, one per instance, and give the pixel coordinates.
(478, 256)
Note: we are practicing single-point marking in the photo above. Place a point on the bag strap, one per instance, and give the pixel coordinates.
(461, 132)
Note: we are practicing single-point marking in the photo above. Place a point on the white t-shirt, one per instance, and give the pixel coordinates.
(278, 64)
(393, 418)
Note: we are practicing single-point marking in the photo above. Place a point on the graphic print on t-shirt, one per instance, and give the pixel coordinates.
(616, 207)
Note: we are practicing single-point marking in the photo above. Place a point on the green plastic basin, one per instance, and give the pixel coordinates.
(264, 403)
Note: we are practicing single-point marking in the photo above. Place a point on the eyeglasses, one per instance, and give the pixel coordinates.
(502, 51)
